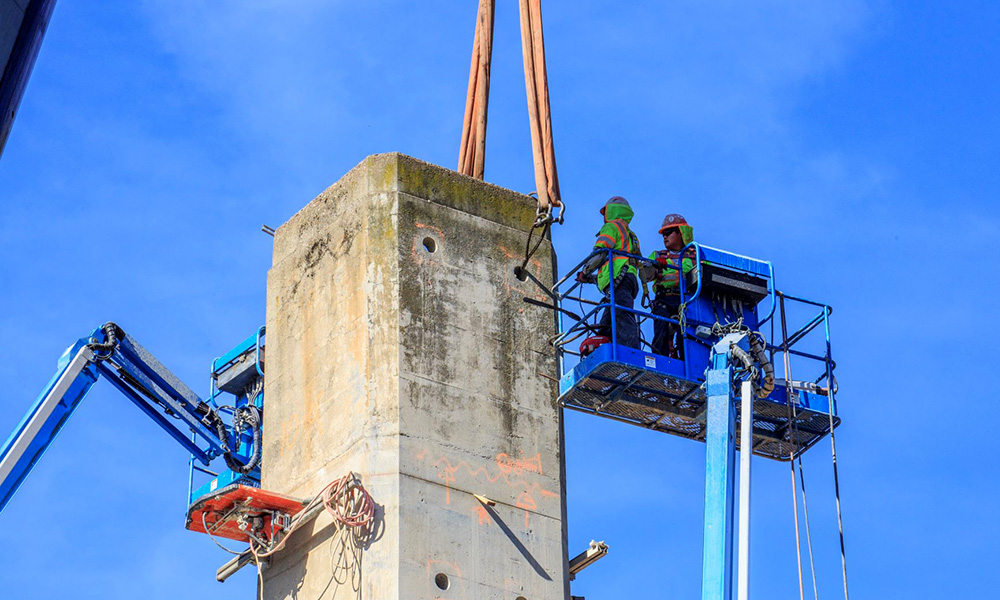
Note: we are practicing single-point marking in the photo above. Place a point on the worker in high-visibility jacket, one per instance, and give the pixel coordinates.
(623, 274)
(677, 234)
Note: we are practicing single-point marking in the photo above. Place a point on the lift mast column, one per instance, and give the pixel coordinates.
(720, 451)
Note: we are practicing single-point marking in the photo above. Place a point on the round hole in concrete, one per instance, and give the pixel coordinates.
(520, 598)
(441, 580)
(430, 245)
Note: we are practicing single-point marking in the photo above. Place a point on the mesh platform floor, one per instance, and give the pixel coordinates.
(675, 405)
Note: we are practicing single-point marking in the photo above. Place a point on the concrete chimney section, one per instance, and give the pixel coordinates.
(399, 347)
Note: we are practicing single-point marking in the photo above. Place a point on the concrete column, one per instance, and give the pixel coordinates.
(399, 347)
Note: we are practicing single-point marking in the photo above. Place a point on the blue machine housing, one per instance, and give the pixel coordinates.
(668, 394)
(235, 370)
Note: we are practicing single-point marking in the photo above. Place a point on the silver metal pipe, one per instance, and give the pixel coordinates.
(746, 443)
(235, 564)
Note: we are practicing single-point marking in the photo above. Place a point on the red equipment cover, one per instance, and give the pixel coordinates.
(592, 343)
(222, 508)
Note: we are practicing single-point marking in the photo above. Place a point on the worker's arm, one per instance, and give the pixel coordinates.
(650, 271)
(668, 275)
(609, 237)
(687, 264)
(592, 265)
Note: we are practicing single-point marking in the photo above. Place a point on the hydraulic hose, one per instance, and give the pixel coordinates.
(246, 416)
(741, 355)
(103, 350)
(220, 430)
(249, 415)
(760, 355)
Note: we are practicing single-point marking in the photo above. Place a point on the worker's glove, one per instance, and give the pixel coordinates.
(593, 263)
(647, 272)
(662, 260)
(584, 277)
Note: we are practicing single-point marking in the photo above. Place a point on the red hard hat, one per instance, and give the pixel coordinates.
(672, 220)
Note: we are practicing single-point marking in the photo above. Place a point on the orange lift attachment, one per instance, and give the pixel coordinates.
(243, 513)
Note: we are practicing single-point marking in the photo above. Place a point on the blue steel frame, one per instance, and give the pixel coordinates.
(133, 371)
(227, 477)
(75, 375)
(148, 384)
(719, 410)
(701, 253)
(698, 313)
(720, 473)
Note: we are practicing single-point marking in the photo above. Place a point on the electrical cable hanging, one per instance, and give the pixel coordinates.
(794, 426)
(346, 500)
(211, 535)
(831, 395)
(798, 544)
(543, 221)
(809, 544)
(789, 400)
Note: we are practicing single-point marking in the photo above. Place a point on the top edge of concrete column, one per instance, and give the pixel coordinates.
(394, 172)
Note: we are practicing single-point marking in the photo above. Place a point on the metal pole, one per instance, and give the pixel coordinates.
(717, 565)
(187, 500)
(614, 315)
(746, 451)
(832, 410)
(791, 400)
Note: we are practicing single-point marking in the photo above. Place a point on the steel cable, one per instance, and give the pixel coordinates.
(791, 439)
(809, 545)
(209, 532)
(831, 394)
(346, 499)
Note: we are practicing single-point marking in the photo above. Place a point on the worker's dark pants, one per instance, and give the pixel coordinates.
(666, 305)
(626, 327)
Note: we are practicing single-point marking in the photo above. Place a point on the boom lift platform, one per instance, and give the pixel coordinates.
(230, 504)
(668, 394)
(721, 380)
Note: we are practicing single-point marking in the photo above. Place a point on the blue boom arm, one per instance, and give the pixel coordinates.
(111, 353)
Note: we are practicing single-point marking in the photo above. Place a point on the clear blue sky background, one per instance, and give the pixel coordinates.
(852, 143)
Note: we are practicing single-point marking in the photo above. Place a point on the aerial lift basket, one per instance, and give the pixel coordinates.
(237, 512)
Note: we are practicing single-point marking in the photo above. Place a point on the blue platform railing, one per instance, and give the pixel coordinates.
(226, 476)
(593, 384)
(698, 252)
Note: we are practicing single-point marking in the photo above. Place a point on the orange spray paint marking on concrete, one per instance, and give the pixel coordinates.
(526, 502)
(511, 471)
(483, 515)
(519, 466)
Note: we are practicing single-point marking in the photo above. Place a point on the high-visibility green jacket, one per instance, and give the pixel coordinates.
(667, 280)
(616, 234)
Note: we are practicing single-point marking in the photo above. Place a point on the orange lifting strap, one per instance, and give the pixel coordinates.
(472, 155)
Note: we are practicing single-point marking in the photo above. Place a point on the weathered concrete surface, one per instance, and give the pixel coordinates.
(399, 347)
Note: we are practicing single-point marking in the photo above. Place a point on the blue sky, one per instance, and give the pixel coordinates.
(852, 143)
